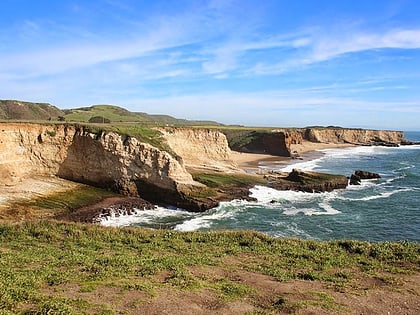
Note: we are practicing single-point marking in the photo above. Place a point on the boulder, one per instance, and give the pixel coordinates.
(355, 180)
(366, 174)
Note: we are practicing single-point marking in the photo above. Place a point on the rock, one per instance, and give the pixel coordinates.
(102, 159)
(307, 181)
(366, 174)
(296, 176)
(355, 180)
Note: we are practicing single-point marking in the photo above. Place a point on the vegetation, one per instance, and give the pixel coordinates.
(117, 114)
(18, 110)
(219, 180)
(53, 205)
(141, 133)
(62, 268)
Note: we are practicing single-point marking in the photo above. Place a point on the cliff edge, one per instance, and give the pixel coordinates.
(104, 159)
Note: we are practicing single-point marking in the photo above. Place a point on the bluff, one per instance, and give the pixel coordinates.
(104, 159)
(287, 142)
(206, 149)
(354, 136)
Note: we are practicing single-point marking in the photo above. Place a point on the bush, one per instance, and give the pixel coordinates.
(99, 120)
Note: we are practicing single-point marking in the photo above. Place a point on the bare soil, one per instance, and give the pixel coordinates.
(362, 296)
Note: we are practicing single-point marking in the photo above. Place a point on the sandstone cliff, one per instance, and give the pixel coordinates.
(287, 142)
(353, 136)
(201, 148)
(106, 159)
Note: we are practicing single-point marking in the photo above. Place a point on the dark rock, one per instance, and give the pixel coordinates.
(296, 176)
(407, 142)
(355, 180)
(307, 181)
(366, 174)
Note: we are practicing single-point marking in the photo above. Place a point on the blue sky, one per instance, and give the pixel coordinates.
(268, 63)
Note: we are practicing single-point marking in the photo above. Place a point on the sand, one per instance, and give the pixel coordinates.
(307, 151)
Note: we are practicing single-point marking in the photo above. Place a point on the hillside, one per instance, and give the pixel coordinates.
(117, 114)
(19, 110)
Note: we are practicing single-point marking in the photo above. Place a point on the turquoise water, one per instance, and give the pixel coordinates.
(383, 209)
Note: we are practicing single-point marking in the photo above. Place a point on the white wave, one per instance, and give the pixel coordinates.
(329, 210)
(366, 183)
(409, 147)
(337, 153)
(146, 217)
(406, 166)
(307, 165)
(381, 195)
(266, 195)
(206, 219)
(284, 229)
(390, 180)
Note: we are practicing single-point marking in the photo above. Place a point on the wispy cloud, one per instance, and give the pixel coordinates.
(322, 47)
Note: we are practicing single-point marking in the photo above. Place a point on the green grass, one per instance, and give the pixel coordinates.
(217, 180)
(40, 261)
(113, 113)
(56, 204)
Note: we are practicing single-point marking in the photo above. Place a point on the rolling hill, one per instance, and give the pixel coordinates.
(19, 110)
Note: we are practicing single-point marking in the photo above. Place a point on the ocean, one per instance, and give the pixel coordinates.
(385, 209)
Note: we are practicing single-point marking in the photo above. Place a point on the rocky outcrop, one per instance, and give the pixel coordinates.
(103, 159)
(354, 136)
(366, 175)
(356, 178)
(306, 181)
(287, 142)
(201, 148)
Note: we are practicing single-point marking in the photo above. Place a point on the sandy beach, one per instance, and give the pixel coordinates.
(307, 151)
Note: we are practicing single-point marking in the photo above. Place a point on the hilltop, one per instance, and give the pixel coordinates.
(20, 110)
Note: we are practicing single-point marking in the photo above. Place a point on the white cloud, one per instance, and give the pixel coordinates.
(327, 47)
(319, 47)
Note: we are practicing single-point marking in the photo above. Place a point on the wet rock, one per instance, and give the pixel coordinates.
(355, 180)
(366, 174)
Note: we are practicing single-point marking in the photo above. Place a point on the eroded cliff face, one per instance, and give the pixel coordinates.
(287, 142)
(106, 160)
(201, 148)
(353, 136)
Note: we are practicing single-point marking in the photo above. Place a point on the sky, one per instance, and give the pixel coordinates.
(280, 63)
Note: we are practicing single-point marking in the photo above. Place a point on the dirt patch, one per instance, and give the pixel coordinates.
(269, 296)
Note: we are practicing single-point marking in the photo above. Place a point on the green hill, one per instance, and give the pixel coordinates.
(117, 114)
(19, 110)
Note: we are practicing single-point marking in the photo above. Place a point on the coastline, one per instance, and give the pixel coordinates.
(29, 189)
(307, 151)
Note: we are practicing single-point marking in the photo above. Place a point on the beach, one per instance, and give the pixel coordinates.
(306, 151)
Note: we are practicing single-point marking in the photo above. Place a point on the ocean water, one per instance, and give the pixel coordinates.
(378, 210)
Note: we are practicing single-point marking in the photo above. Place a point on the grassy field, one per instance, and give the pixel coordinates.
(63, 268)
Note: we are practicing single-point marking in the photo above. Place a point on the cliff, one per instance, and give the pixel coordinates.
(106, 159)
(354, 136)
(288, 142)
(206, 149)
(125, 165)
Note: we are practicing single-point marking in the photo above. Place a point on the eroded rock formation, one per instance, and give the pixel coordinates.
(105, 159)
(306, 181)
(201, 148)
(288, 142)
